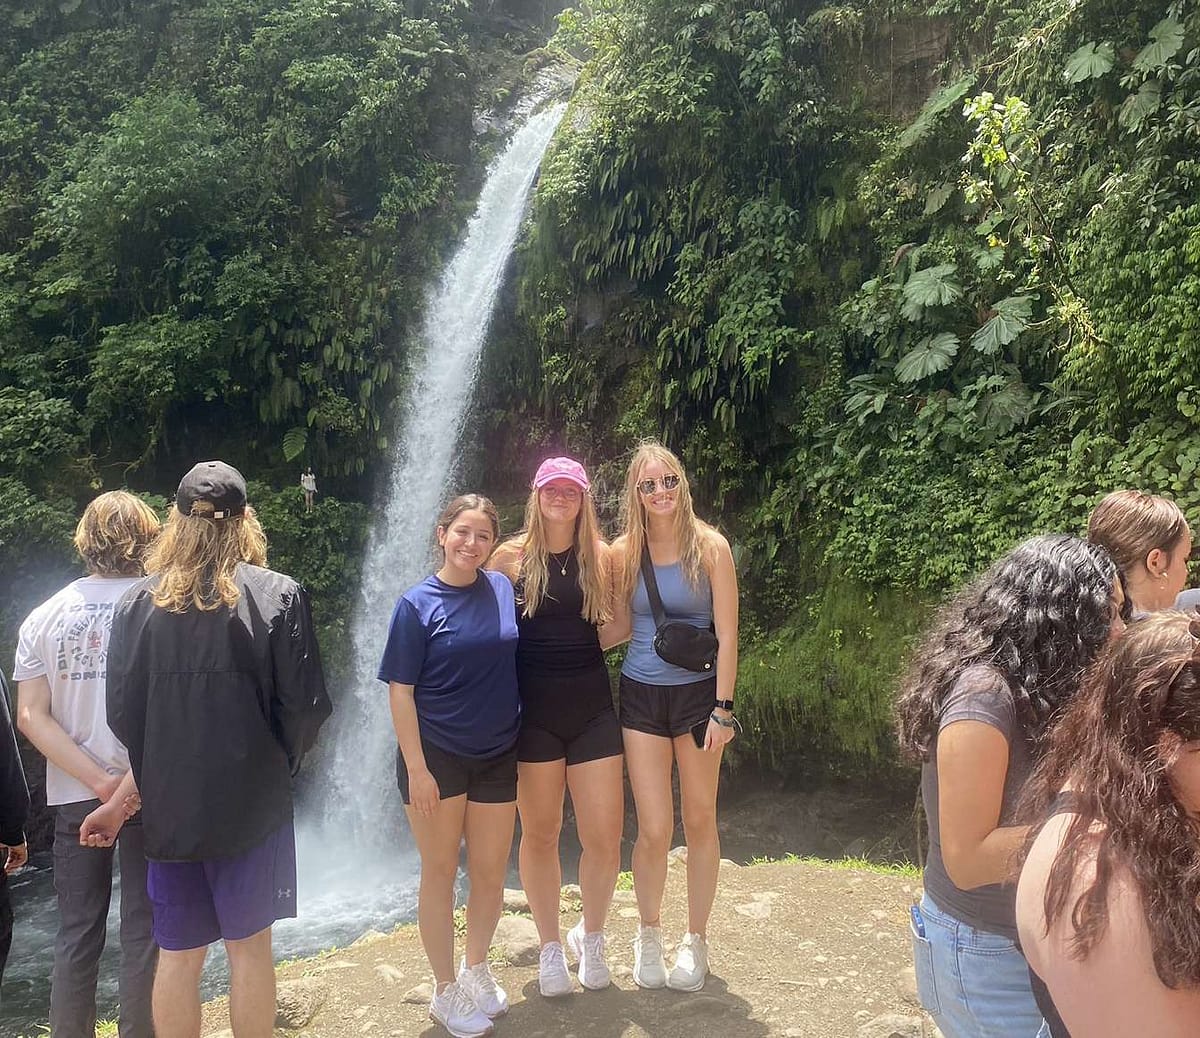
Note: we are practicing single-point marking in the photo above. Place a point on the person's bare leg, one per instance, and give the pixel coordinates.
(438, 840)
(251, 986)
(698, 775)
(540, 788)
(489, 830)
(175, 1003)
(598, 796)
(648, 760)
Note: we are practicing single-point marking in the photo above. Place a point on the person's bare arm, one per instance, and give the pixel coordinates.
(52, 741)
(972, 764)
(620, 625)
(423, 792)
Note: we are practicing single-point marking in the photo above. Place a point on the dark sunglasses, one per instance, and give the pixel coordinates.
(647, 486)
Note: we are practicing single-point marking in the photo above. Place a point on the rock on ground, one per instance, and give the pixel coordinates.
(297, 1001)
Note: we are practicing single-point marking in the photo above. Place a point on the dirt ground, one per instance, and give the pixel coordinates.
(798, 950)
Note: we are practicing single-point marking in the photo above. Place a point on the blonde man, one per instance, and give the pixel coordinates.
(215, 687)
(61, 672)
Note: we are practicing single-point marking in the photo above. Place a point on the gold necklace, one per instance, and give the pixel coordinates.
(562, 566)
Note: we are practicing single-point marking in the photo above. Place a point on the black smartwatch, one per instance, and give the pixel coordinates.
(724, 704)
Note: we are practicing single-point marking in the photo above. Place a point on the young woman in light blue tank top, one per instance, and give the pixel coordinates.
(664, 707)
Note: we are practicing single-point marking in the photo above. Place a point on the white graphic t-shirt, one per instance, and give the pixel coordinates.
(65, 640)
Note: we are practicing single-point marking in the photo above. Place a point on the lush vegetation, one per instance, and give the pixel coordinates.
(892, 333)
(902, 282)
(216, 220)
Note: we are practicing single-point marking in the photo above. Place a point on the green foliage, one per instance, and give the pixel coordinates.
(886, 351)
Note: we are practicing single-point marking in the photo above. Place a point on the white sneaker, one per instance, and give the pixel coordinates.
(588, 948)
(649, 969)
(479, 984)
(453, 1009)
(691, 964)
(553, 978)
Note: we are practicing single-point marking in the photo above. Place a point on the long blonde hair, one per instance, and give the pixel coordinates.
(534, 571)
(196, 558)
(114, 534)
(692, 535)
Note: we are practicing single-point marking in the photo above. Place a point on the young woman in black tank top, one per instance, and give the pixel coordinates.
(570, 737)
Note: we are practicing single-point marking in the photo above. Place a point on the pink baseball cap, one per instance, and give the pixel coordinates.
(561, 468)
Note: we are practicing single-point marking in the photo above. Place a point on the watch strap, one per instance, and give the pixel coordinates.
(724, 704)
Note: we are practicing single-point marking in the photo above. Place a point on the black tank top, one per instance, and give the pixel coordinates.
(557, 638)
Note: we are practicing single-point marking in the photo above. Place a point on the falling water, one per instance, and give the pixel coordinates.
(357, 869)
(351, 830)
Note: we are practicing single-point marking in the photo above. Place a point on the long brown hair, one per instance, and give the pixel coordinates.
(1038, 616)
(1111, 752)
(692, 535)
(196, 558)
(534, 569)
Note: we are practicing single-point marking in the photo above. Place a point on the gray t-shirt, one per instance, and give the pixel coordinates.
(980, 694)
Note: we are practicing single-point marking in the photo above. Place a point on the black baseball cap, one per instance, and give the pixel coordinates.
(214, 483)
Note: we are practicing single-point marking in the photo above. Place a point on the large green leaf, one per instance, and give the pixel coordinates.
(1091, 61)
(1165, 40)
(939, 103)
(1140, 106)
(295, 440)
(932, 354)
(1010, 320)
(933, 286)
(938, 197)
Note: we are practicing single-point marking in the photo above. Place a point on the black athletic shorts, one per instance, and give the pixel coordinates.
(546, 740)
(567, 714)
(485, 780)
(666, 710)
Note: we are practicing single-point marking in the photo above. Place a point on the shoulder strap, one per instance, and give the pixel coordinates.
(656, 605)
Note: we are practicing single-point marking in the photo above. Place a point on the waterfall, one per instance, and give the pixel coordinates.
(351, 825)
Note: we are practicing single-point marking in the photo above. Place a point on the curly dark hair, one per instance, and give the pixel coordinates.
(1111, 751)
(1038, 616)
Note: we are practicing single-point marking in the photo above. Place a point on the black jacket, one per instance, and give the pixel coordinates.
(14, 793)
(217, 709)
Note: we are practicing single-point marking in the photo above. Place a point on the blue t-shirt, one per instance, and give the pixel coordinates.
(680, 602)
(457, 646)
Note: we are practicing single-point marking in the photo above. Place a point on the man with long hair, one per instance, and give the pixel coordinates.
(215, 687)
(62, 652)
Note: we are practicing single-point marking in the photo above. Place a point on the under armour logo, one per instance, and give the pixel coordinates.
(283, 892)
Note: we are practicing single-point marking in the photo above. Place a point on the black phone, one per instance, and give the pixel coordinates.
(699, 731)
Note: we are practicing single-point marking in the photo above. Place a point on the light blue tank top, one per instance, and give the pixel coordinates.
(680, 602)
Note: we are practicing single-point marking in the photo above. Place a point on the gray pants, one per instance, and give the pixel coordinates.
(83, 880)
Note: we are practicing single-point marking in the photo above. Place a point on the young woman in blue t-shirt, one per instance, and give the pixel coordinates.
(450, 665)
(570, 738)
(663, 704)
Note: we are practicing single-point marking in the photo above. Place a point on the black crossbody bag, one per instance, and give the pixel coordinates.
(677, 642)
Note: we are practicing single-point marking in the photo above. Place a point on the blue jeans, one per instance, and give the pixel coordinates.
(974, 983)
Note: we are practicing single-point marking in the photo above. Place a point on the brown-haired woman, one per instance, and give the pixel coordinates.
(451, 673)
(671, 715)
(1107, 900)
(1149, 539)
(570, 737)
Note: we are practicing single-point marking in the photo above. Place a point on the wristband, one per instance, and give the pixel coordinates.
(724, 722)
(725, 704)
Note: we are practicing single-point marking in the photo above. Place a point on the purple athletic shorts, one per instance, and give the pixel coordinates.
(197, 902)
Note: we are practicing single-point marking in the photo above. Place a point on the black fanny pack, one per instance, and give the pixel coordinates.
(677, 642)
